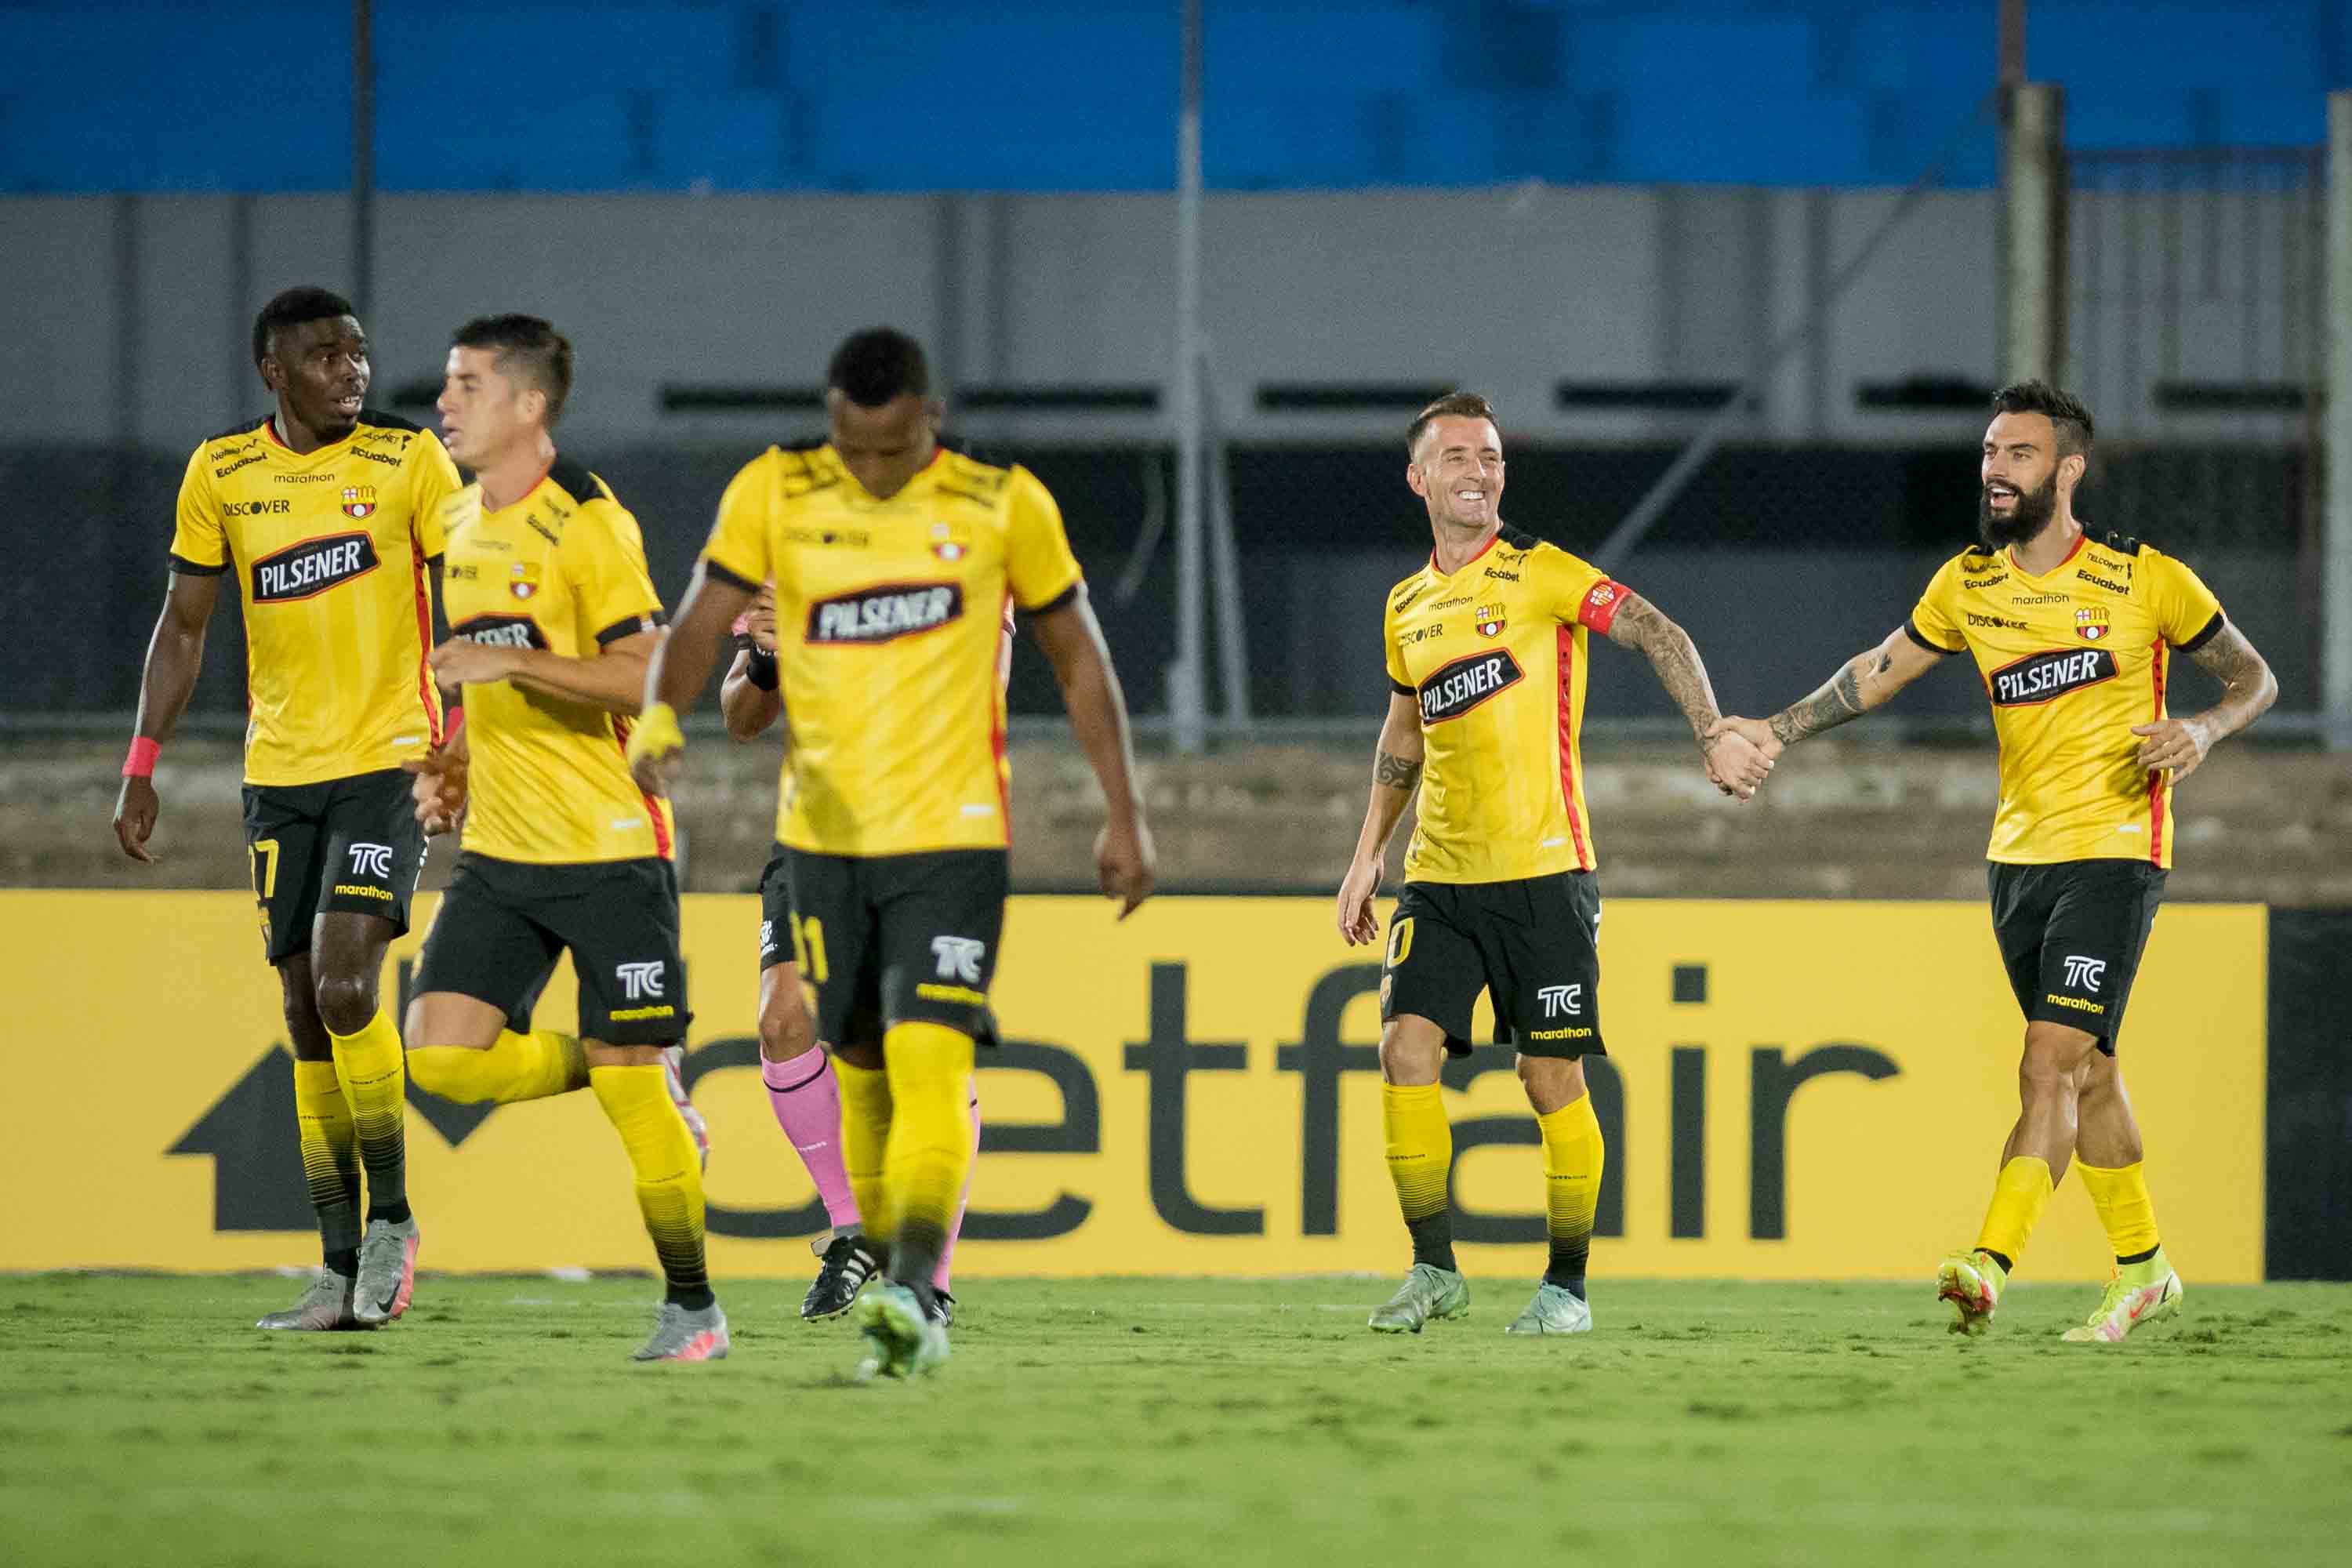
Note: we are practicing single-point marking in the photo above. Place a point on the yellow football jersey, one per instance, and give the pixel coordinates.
(1495, 653)
(328, 549)
(563, 569)
(2072, 660)
(887, 618)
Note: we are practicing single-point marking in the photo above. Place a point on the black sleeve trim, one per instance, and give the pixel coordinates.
(630, 626)
(577, 481)
(187, 568)
(1399, 687)
(760, 669)
(387, 421)
(1913, 634)
(248, 428)
(732, 579)
(2212, 629)
(1066, 597)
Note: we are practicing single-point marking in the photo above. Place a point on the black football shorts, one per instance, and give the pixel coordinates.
(1533, 945)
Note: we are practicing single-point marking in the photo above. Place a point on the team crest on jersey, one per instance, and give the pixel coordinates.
(523, 579)
(2091, 624)
(359, 500)
(946, 545)
(1457, 688)
(1490, 620)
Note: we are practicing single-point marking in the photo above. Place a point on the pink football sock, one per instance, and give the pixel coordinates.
(947, 1253)
(807, 1103)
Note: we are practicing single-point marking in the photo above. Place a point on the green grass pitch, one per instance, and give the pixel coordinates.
(1177, 1422)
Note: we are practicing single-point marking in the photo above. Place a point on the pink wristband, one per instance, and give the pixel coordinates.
(141, 762)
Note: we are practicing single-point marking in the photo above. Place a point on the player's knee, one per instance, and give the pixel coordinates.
(2053, 1058)
(1409, 1056)
(441, 1071)
(786, 1032)
(346, 1002)
(1551, 1081)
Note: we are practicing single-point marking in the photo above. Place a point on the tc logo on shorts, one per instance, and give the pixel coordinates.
(2083, 974)
(1559, 999)
(370, 859)
(1457, 688)
(881, 614)
(958, 957)
(640, 980)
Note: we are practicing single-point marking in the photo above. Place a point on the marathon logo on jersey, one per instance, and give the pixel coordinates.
(502, 631)
(883, 613)
(256, 509)
(1461, 686)
(2042, 677)
(311, 567)
(2090, 624)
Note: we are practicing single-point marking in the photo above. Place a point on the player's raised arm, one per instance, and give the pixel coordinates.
(1396, 773)
(1863, 682)
(680, 668)
(1124, 856)
(749, 698)
(2249, 688)
(175, 656)
(1735, 764)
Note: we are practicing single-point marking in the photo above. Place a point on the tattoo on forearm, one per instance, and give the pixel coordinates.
(1640, 624)
(1838, 702)
(2232, 660)
(1392, 772)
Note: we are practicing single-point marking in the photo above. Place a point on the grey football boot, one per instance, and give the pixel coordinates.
(1427, 1292)
(324, 1307)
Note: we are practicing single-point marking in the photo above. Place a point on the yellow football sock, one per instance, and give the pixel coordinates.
(668, 1170)
(330, 1157)
(2018, 1197)
(2121, 1197)
(375, 1085)
(1573, 1161)
(1421, 1154)
(929, 1150)
(864, 1141)
(515, 1067)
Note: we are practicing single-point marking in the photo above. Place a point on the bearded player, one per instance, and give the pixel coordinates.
(1486, 649)
(804, 1090)
(327, 511)
(893, 560)
(2072, 633)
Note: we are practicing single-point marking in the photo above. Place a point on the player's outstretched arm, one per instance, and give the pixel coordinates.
(1396, 773)
(2179, 744)
(1862, 683)
(175, 656)
(679, 669)
(1734, 763)
(1125, 860)
(613, 678)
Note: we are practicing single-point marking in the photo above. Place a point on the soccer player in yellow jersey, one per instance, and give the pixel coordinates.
(327, 512)
(554, 618)
(1487, 658)
(2072, 633)
(795, 1066)
(893, 560)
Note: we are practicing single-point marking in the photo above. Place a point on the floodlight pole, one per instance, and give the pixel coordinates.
(1187, 708)
(2034, 200)
(362, 156)
(2335, 571)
